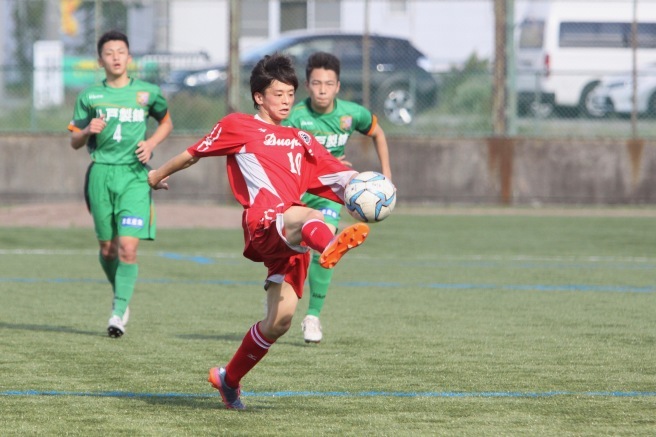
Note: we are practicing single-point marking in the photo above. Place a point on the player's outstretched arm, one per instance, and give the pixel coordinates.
(380, 143)
(157, 178)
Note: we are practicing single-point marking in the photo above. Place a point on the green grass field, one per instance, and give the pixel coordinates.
(438, 325)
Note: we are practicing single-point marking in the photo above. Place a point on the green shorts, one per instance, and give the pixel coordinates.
(120, 201)
(329, 209)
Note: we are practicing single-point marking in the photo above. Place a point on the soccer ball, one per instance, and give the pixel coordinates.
(370, 197)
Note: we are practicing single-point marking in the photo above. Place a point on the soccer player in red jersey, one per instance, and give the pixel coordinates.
(270, 167)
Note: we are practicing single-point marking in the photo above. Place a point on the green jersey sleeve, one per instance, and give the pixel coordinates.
(82, 113)
(363, 119)
(160, 107)
(333, 129)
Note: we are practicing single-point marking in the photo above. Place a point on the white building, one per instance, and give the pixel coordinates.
(446, 31)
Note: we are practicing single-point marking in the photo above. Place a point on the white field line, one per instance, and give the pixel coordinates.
(64, 252)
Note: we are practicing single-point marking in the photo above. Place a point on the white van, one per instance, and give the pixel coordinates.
(564, 47)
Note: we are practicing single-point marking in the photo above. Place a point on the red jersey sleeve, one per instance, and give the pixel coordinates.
(224, 139)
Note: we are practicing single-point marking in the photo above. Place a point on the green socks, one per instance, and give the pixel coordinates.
(319, 281)
(122, 276)
(109, 267)
(126, 278)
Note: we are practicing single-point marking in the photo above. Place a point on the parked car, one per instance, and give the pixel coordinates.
(401, 84)
(614, 94)
(565, 46)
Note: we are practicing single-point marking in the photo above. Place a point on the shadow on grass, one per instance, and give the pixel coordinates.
(239, 337)
(49, 328)
(207, 403)
(226, 337)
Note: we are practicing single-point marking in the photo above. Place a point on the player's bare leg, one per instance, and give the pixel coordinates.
(281, 305)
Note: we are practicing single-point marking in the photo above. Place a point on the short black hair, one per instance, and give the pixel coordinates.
(112, 35)
(272, 67)
(324, 60)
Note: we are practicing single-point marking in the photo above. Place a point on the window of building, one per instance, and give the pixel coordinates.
(398, 5)
(309, 14)
(254, 18)
(293, 15)
(327, 14)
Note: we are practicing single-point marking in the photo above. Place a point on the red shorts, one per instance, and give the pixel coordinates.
(264, 242)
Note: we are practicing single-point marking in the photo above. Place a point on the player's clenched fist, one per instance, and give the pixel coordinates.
(156, 182)
(97, 125)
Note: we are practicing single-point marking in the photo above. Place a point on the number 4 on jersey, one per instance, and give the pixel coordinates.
(117, 133)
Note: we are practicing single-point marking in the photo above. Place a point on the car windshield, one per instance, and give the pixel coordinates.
(531, 34)
(254, 55)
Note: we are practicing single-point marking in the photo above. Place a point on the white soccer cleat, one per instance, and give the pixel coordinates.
(115, 327)
(311, 327)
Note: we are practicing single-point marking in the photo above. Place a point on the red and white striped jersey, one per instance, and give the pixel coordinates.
(269, 165)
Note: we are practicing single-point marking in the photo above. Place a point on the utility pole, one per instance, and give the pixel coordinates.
(3, 9)
(234, 66)
(162, 24)
(634, 71)
(366, 59)
(501, 145)
(511, 85)
(500, 69)
(97, 19)
(52, 20)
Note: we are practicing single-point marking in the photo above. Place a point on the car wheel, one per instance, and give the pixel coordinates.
(589, 105)
(398, 105)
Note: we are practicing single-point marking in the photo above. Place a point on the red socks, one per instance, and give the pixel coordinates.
(316, 234)
(253, 348)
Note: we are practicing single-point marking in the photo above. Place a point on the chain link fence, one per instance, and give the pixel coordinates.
(425, 67)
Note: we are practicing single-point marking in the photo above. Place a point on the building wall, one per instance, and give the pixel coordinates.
(39, 168)
(448, 32)
(200, 26)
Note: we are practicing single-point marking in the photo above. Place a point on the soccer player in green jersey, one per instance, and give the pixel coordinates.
(111, 120)
(331, 121)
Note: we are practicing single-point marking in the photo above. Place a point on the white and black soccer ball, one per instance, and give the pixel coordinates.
(370, 197)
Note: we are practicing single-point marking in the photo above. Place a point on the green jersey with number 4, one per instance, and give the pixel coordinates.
(333, 129)
(126, 111)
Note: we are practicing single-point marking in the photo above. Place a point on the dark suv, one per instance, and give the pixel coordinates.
(400, 81)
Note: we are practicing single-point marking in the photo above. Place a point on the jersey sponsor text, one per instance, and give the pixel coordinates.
(272, 140)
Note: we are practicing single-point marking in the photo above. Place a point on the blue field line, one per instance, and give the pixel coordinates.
(542, 287)
(192, 258)
(526, 265)
(288, 394)
(487, 261)
(356, 284)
